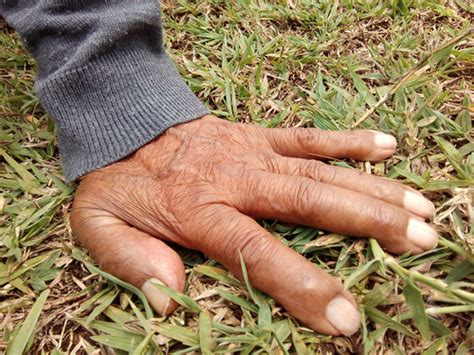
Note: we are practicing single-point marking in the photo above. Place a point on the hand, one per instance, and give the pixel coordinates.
(200, 185)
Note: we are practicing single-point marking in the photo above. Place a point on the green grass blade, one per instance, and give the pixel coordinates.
(141, 348)
(237, 300)
(105, 302)
(217, 274)
(362, 271)
(19, 342)
(78, 256)
(246, 279)
(384, 320)
(182, 334)
(378, 294)
(179, 297)
(119, 343)
(460, 271)
(205, 333)
(415, 303)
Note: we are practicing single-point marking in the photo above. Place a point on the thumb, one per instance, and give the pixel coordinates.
(129, 254)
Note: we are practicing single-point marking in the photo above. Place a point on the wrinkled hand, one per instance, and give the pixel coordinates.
(200, 185)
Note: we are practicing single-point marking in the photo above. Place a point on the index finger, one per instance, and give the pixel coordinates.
(315, 143)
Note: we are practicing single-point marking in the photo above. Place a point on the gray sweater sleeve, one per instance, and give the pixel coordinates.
(103, 76)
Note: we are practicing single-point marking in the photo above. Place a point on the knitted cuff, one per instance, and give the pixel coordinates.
(114, 105)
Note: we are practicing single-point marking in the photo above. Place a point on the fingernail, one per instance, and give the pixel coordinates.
(343, 315)
(418, 204)
(421, 234)
(385, 141)
(158, 300)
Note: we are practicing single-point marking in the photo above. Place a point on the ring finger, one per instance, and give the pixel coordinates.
(302, 200)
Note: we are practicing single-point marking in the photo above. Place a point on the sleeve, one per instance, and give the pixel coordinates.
(103, 76)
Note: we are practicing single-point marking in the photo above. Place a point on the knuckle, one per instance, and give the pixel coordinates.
(353, 176)
(310, 284)
(311, 137)
(305, 196)
(254, 181)
(255, 248)
(317, 170)
(384, 217)
(271, 162)
(237, 236)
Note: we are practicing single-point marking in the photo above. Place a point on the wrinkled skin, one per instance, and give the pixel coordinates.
(202, 183)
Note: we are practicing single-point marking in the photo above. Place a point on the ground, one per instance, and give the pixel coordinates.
(273, 63)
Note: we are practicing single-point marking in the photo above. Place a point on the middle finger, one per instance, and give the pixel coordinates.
(351, 179)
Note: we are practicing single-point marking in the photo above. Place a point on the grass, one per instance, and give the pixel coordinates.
(274, 63)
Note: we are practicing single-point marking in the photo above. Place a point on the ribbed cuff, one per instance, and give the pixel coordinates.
(113, 106)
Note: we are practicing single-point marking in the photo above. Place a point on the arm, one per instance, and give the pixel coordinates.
(103, 76)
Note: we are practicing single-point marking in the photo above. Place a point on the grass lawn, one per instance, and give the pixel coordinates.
(273, 63)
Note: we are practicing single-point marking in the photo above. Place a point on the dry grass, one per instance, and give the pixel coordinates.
(273, 63)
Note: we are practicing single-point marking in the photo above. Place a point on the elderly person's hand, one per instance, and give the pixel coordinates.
(200, 185)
